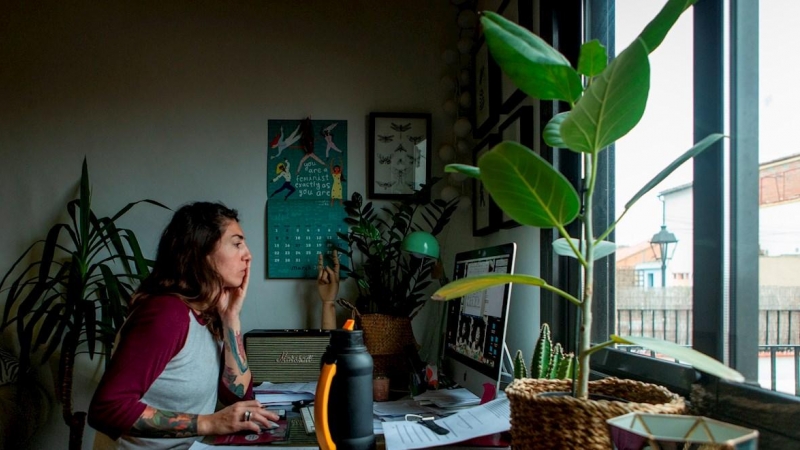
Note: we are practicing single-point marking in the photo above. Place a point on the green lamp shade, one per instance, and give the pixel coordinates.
(421, 244)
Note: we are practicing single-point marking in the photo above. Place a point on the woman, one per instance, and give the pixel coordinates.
(181, 348)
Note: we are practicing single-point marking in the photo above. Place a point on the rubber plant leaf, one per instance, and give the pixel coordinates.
(613, 103)
(655, 31)
(691, 153)
(469, 285)
(686, 355)
(552, 131)
(532, 64)
(601, 249)
(470, 171)
(593, 58)
(527, 187)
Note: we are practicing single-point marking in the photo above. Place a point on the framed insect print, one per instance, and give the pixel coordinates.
(518, 127)
(399, 154)
(486, 91)
(485, 213)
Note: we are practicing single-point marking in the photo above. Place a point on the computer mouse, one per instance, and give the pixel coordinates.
(271, 426)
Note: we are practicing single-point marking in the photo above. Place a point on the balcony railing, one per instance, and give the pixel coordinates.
(779, 339)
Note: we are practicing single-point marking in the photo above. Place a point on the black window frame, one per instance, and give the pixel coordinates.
(726, 309)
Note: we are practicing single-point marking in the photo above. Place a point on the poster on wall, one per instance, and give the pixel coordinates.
(306, 188)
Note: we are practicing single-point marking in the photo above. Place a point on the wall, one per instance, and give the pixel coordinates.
(170, 101)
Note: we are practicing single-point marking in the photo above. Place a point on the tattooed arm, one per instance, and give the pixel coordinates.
(170, 424)
(236, 376)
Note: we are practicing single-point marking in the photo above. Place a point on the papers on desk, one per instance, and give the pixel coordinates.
(448, 398)
(284, 393)
(489, 418)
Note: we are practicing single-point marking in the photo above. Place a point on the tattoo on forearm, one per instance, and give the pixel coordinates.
(229, 377)
(157, 423)
(238, 352)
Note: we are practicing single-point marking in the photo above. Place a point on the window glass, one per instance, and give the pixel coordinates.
(779, 197)
(654, 257)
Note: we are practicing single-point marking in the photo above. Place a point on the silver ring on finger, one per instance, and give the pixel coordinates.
(247, 416)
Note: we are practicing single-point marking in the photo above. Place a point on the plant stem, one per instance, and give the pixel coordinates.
(585, 341)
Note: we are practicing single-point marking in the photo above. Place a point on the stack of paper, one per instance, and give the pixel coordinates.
(448, 398)
(489, 418)
(275, 394)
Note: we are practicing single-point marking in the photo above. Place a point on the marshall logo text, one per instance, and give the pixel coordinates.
(287, 358)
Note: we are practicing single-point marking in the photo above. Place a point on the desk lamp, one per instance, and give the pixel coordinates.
(421, 244)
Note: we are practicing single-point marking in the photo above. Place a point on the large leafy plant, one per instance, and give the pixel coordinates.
(607, 100)
(75, 295)
(391, 281)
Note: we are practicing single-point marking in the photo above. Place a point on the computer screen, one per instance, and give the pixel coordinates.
(476, 323)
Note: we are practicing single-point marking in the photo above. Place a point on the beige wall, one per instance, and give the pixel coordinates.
(170, 101)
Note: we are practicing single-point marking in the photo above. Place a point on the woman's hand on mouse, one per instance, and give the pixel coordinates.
(246, 415)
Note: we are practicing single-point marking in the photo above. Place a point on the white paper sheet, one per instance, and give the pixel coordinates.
(286, 388)
(448, 398)
(489, 418)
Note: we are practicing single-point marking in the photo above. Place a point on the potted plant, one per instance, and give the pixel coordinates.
(533, 193)
(391, 282)
(75, 296)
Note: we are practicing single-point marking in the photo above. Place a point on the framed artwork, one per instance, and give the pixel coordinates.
(486, 91)
(521, 13)
(518, 127)
(485, 213)
(399, 149)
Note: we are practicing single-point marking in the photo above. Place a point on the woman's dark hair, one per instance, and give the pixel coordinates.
(182, 267)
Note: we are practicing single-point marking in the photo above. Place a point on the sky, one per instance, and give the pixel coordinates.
(665, 131)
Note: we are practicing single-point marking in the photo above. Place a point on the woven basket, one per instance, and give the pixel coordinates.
(565, 422)
(386, 335)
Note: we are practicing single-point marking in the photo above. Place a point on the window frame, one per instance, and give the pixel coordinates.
(727, 308)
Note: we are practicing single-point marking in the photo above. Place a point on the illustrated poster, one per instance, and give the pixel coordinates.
(306, 187)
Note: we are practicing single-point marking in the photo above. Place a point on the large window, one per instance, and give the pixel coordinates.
(728, 283)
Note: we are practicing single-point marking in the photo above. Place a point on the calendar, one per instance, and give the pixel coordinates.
(306, 187)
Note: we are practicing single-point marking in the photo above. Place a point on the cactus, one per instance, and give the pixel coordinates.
(548, 361)
(520, 371)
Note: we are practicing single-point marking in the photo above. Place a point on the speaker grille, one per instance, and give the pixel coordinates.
(285, 356)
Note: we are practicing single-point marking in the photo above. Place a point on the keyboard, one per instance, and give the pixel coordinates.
(307, 412)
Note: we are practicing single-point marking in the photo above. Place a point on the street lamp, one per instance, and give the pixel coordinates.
(662, 240)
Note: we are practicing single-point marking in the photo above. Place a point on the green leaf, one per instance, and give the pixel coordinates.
(464, 286)
(612, 105)
(699, 361)
(601, 249)
(691, 153)
(85, 206)
(520, 371)
(527, 187)
(593, 58)
(531, 63)
(470, 171)
(655, 31)
(552, 131)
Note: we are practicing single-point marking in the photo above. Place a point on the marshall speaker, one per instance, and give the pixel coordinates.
(285, 356)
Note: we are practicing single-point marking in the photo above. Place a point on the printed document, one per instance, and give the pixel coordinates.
(489, 418)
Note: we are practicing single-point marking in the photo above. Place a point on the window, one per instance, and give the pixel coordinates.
(726, 66)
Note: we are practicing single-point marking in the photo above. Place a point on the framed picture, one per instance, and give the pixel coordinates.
(486, 90)
(399, 150)
(485, 213)
(518, 127)
(521, 13)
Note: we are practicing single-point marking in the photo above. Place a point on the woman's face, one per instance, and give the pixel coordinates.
(231, 257)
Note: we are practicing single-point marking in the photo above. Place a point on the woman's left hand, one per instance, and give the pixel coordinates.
(232, 299)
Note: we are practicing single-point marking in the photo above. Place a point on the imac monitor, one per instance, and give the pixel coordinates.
(476, 323)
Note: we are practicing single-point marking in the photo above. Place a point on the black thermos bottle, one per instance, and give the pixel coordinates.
(343, 403)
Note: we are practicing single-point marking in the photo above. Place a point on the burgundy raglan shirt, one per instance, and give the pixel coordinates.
(154, 333)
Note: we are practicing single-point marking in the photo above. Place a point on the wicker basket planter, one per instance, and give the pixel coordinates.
(385, 337)
(565, 422)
